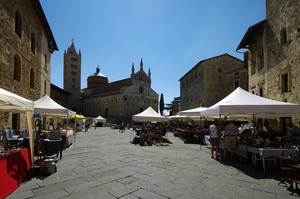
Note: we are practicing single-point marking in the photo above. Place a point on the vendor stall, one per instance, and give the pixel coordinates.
(14, 163)
(45, 106)
(241, 103)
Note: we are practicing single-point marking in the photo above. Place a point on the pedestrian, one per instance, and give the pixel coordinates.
(231, 131)
(86, 126)
(95, 124)
(214, 134)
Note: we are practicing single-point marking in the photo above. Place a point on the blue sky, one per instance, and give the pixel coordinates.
(171, 36)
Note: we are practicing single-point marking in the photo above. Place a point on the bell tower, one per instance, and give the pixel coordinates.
(72, 76)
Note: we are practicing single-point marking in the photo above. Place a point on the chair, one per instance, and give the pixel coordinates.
(52, 143)
(8, 136)
(286, 170)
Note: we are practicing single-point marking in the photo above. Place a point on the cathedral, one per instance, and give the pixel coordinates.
(116, 101)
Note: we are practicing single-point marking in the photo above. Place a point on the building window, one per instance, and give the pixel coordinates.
(73, 66)
(32, 43)
(261, 92)
(45, 87)
(18, 23)
(73, 86)
(284, 83)
(32, 78)
(73, 80)
(283, 36)
(141, 90)
(219, 70)
(45, 61)
(73, 59)
(74, 73)
(236, 83)
(17, 68)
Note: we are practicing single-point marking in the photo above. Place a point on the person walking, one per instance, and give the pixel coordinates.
(231, 131)
(214, 134)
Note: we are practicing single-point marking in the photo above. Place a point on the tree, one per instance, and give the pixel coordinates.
(174, 103)
(161, 104)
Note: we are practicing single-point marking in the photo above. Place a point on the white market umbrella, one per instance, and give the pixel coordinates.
(99, 119)
(46, 106)
(149, 115)
(242, 103)
(10, 102)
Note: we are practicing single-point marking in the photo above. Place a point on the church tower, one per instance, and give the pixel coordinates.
(72, 76)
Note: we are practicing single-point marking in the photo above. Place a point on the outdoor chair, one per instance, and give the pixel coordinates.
(52, 143)
(9, 136)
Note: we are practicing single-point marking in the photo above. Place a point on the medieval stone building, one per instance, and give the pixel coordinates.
(211, 80)
(118, 101)
(26, 45)
(273, 56)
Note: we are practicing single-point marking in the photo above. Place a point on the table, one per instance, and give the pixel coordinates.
(67, 137)
(239, 150)
(269, 154)
(13, 170)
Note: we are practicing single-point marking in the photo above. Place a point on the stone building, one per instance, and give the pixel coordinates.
(72, 76)
(118, 101)
(60, 96)
(211, 80)
(26, 45)
(273, 56)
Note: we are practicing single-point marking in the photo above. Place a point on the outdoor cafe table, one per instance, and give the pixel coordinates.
(269, 154)
(240, 149)
(13, 168)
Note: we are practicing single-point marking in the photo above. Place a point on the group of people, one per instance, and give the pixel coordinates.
(231, 132)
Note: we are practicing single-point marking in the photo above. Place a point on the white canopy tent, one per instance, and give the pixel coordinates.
(10, 102)
(192, 112)
(149, 115)
(244, 104)
(99, 119)
(46, 106)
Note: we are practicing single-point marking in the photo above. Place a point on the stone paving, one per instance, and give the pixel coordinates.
(104, 164)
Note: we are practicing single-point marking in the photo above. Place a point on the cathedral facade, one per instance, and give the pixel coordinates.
(118, 101)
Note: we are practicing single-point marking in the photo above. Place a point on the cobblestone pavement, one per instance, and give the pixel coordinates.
(103, 164)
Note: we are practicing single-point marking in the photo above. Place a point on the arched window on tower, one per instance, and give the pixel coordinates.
(18, 23)
(32, 78)
(17, 68)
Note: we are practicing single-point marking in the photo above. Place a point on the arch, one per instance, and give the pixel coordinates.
(32, 78)
(32, 43)
(18, 23)
(17, 68)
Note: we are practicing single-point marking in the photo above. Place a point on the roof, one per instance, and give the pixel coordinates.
(39, 11)
(209, 59)
(250, 34)
(60, 89)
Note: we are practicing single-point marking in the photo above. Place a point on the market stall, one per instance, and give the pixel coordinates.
(14, 163)
(241, 103)
(149, 134)
(45, 106)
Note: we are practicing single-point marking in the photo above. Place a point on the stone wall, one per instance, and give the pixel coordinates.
(32, 60)
(279, 44)
(208, 82)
